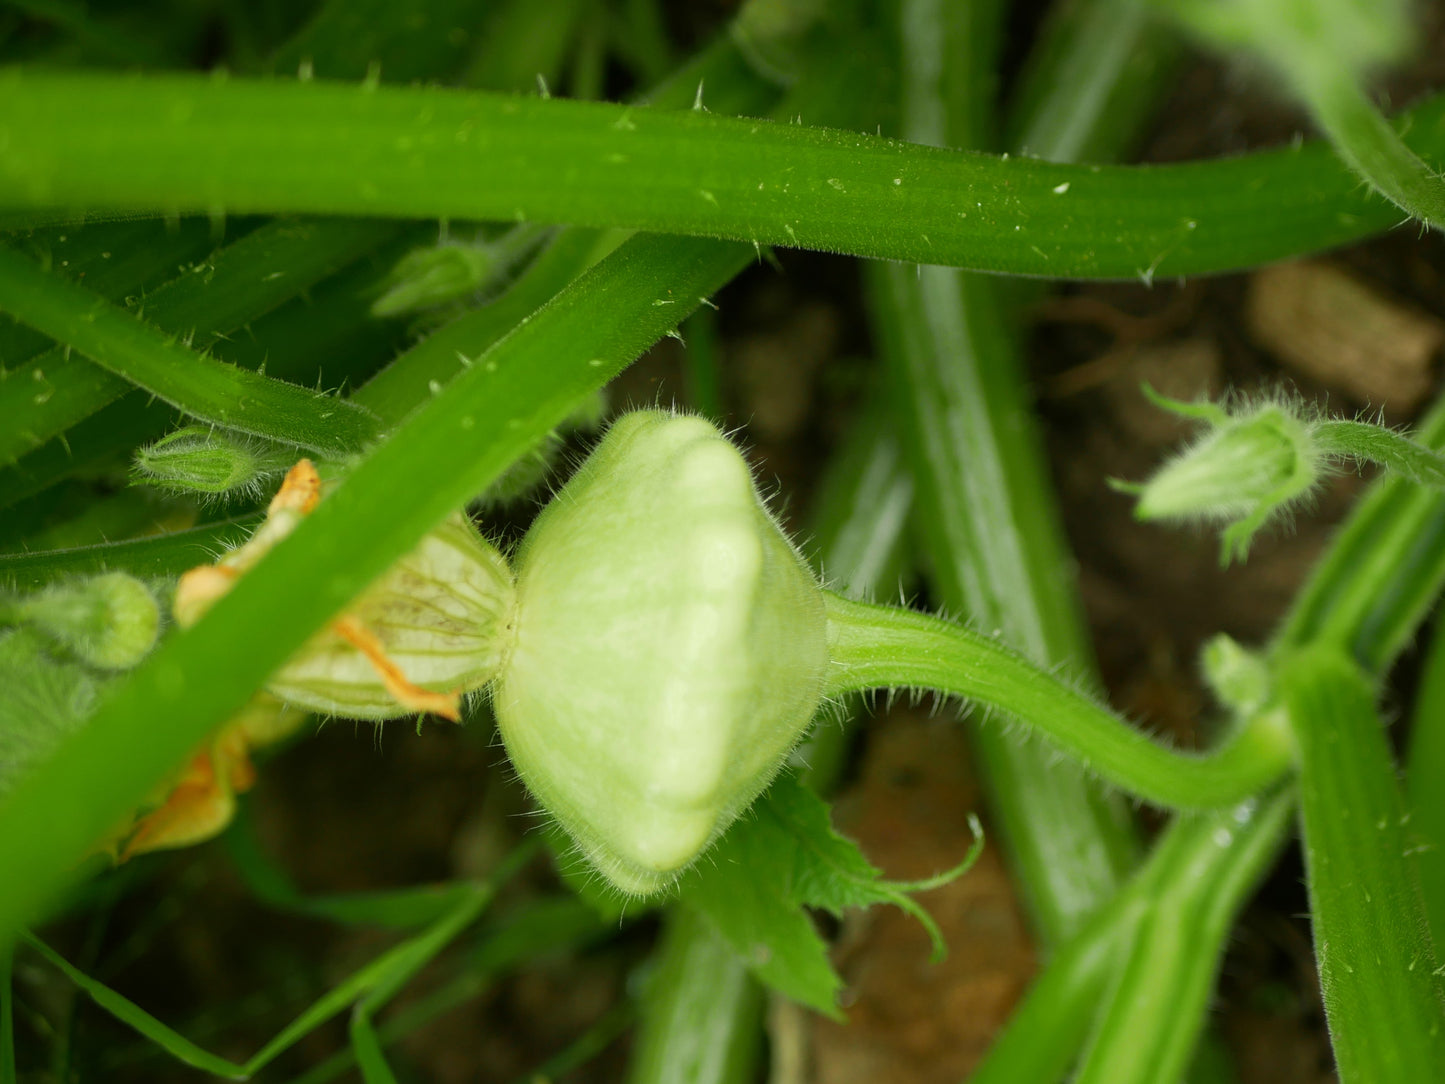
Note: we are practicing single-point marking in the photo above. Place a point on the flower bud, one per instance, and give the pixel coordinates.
(1239, 677)
(1244, 469)
(108, 621)
(200, 460)
(44, 700)
(427, 277)
(670, 649)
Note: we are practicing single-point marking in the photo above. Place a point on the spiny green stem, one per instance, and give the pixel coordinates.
(884, 647)
(160, 556)
(232, 287)
(1383, 571)
(1372, 147)
(138, 353)
(178, 143)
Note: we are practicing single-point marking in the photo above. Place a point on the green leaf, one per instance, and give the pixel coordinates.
(128, 1012)
(780, 858)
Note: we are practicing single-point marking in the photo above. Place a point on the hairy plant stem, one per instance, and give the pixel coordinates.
(875, 647)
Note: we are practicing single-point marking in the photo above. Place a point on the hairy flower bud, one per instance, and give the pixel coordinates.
(200, 460)
(1240, 678)
(1246, 468)
(670, 649)
(426, 277)
(108, 621)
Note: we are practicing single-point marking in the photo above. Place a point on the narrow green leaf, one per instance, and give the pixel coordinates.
(206, 389)
(367, 1047)
(184, 143)
(392, 908)
(546, 927)
(131, 1014)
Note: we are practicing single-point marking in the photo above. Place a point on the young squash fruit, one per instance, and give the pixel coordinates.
(669, 649)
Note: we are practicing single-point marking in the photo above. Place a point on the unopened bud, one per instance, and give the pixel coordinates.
(1244, 470)
(1239, 677)
(427, 277)
(670, 649)
(43, 699)
(108, 621)
(200, 460)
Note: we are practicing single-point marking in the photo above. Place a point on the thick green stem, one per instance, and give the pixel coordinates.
(986, 519)
(884, 647)
(1378, 967)
(1181, 904)
(702, 1011)
(1371, 146)
(1187, 903)
(1425, 769)
(174, 143)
